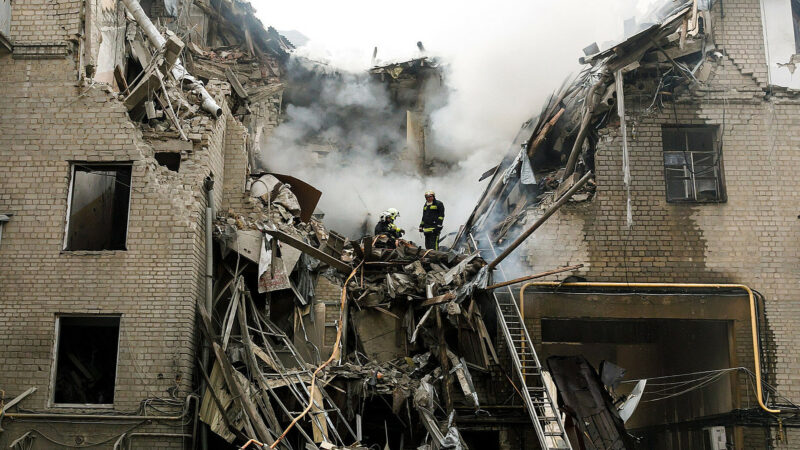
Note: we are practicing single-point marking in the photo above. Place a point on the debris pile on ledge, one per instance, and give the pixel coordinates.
(317, 340)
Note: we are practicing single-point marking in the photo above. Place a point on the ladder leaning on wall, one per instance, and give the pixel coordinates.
(536, 395)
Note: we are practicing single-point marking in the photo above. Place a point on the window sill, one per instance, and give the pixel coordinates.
(92, 252)
(92, 406)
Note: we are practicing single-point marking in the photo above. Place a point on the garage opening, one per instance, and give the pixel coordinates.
(651, 348)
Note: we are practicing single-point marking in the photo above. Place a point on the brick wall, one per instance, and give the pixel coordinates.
(47, 120)
(753, 238)
(45, 20)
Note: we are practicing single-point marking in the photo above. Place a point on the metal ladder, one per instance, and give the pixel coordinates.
(534, 391)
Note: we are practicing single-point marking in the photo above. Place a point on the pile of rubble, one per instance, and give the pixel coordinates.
(323, 341)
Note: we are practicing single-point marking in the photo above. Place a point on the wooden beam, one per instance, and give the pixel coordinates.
(18, 399)
(262, 432)
(237, 86)
(312, 251)
(439, 299)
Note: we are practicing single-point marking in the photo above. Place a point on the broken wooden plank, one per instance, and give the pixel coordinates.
(260, 428)
(18, 399)
(209, 417)
(235, 83)
(263, 356)
(543, 133)
(487, 340)
(119, 77)
(312, 251)
(320, 426)
(439, 299)
(141, 53)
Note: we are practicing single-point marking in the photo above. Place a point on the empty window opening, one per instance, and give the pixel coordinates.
(98, 209)
(692, 164)
(86, 359)
(170, 160)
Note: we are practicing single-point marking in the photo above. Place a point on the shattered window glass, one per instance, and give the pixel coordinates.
(692, 162)
(98, 211)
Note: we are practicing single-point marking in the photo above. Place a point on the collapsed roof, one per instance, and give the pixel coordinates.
(553, 148)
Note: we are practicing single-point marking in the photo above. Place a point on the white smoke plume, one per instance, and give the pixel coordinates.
(504, 58)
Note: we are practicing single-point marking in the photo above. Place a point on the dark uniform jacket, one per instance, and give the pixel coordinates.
(432, 217)
(388, 228)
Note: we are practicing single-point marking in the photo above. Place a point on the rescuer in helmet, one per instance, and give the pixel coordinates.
(432, 220)
(386, 226)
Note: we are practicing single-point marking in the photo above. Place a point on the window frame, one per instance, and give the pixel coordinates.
(51, 403)
(72, 166)
(689, 166)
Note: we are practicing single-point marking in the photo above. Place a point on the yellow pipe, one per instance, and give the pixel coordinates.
(671, 285)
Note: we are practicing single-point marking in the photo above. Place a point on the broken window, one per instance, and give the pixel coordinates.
(692, 164)
(86, 359)
(98, 207)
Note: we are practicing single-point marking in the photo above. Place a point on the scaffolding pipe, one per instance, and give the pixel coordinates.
(178, 71)
(743, 287)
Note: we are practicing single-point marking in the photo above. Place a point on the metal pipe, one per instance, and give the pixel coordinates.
(534, 276)
(743, 287)
(178, 71)
(208, 184)
(540, 221)
(105, 416)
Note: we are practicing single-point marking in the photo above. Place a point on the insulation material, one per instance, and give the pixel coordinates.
(272, 275)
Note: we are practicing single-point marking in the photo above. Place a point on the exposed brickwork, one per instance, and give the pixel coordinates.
(45, 21)
(750, 239)
(47, 121)
(739, 33)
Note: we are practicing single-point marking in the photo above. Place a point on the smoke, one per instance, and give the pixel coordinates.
(502, 61)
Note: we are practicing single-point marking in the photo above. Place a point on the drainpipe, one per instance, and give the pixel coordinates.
(178, 71)
(208, 184)
(756, 356)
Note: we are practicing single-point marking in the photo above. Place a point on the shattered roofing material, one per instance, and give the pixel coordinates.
(562, 137)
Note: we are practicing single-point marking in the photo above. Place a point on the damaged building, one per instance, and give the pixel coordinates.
(666, 170)
(162, 290)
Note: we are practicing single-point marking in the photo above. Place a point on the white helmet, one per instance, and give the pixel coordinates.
(393, 212)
